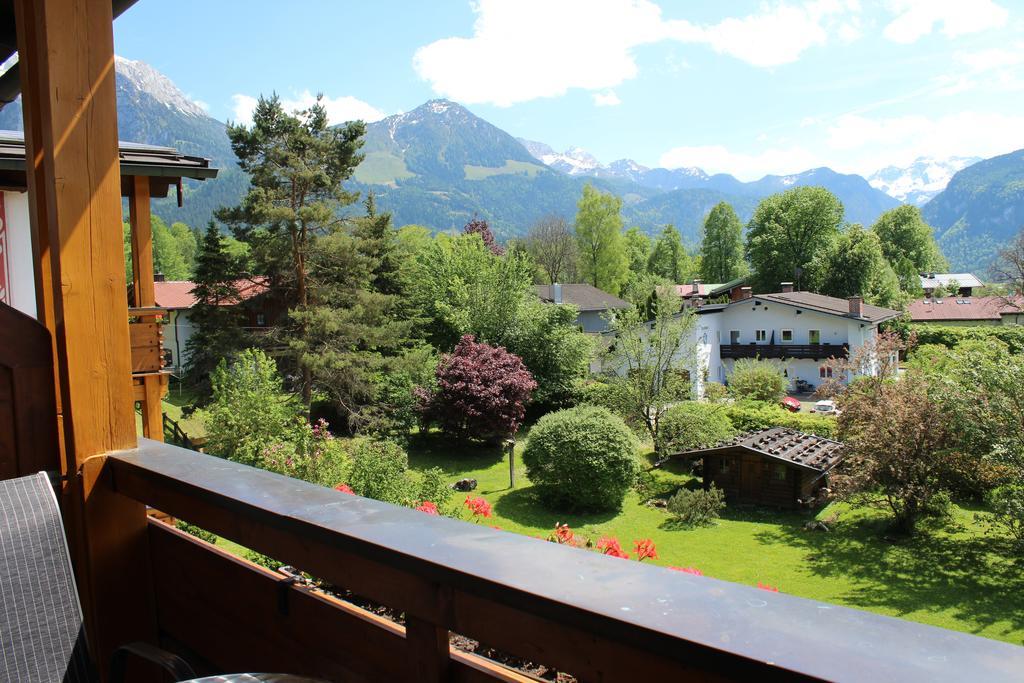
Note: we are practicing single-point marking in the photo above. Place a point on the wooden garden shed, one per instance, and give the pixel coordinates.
(779, 467)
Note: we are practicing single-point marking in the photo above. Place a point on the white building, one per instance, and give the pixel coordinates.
(802, 330)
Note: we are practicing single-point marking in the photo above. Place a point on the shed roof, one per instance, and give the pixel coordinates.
(807, 451)
(177, 294)
(584, 297)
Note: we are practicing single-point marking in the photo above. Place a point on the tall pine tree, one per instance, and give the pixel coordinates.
(297, 164)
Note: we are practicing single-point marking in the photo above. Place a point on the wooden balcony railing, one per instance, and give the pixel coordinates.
(595, 617)
(147, 336)
(814, 351)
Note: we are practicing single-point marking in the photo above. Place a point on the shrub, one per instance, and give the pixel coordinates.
(434, 488)
(756, 379)
(949, 335)
(697, 508)
(198, 532)
(581, 459)
(311, 453)
(714, 391)
(1008, 513)
(379, 471)
(750, 416)
(481, 392)
(694, 425)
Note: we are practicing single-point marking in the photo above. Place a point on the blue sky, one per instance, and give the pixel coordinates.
(742, 87)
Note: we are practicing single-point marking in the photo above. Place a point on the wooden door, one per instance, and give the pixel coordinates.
(750, 479)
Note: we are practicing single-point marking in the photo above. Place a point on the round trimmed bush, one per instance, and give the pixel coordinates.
(694, 424)
(582, 459)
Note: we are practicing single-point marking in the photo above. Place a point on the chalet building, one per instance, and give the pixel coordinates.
(778, 467)
(966, 283)
(125, 586)
(967, 310)
(175, 296)
(593, 303)
(802, 329)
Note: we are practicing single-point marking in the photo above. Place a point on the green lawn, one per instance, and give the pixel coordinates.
(957, 578)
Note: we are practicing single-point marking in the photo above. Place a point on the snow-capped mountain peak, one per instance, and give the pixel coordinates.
(158, 86)
(920, 181)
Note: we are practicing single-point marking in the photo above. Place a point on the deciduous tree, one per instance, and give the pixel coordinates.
(908, 243)
(853, 265)
(552, 246)
(478, 226)
(669, 259)
(602, 248)
(721, 245)
(786, 232)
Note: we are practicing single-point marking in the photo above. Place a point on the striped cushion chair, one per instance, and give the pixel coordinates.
(41, 633)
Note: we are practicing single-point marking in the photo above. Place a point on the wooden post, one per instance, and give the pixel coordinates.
(429, 656)
(510, 444)
(66, 53)
(144, 295)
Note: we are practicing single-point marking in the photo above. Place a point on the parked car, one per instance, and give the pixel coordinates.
(826, 408)
(791, 404)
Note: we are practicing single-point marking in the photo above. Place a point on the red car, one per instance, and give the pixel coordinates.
(791, 404)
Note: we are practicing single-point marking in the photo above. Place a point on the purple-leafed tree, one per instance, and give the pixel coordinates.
(478, 226)
(481, 392)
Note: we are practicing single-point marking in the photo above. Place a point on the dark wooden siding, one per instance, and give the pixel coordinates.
(750, 478)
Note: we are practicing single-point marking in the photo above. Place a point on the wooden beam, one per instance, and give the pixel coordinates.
(142, 242)
(66, 53)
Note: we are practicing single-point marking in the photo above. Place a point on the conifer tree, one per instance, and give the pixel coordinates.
(297, 164)
(218, 332)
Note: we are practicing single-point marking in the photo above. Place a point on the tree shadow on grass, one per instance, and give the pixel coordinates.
(524, 506)
(975, 579)
(432, 450)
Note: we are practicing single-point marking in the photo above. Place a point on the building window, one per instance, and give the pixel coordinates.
(261, 320)
(780, 472)
(734, 336)
(761, 335)
(825, 372)
(787, 335)
(724, 465)
(813, 336)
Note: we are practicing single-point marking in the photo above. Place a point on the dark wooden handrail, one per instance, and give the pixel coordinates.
(597, 617)
(754, 350)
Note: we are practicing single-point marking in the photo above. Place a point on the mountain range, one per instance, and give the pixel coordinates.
(439, 165)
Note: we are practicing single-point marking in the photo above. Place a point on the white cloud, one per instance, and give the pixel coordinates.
(915, 19)
(869, 143)
(719, 159)
(608, 98)
(339, 109)
(992, 58)
(589, 44)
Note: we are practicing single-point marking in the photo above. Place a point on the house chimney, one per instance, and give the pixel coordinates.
(158, 276)
(696, 286)
(787, 287)
(556, 293)
(746, 293)
(856, 306)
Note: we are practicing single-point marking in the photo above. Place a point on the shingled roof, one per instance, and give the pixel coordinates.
(809, 451)
(827, 304)
(583, 296)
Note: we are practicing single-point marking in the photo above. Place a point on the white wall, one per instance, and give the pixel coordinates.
(178, 331)
(21, 278)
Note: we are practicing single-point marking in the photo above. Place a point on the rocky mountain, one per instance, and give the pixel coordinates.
(979, 211)
(151, 109)
(863, 203)
(919, 182)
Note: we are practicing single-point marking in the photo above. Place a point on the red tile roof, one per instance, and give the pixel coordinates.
(177, 294)
(963, 308)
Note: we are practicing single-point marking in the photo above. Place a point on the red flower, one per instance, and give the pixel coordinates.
(478, 506)
(344, 488)
(427, 507)
(766, 587)
(609, 545)
(563, 535)
(688, 570)
(644, 549)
